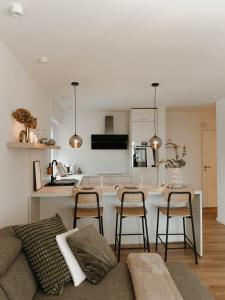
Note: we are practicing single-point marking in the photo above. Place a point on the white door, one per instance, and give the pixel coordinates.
(209, 168)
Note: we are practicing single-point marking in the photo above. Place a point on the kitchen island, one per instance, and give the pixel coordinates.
(51, 200)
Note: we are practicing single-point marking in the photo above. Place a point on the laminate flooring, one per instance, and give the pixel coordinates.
(211, 267)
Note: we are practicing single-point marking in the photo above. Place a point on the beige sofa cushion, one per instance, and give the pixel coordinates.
(10, 246)
(115, 286)
(18, 282)
(2, 295)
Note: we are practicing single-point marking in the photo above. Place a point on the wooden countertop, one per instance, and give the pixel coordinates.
(66, 191)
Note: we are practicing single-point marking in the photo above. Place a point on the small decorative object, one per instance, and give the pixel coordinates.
(46, 141)
(37, 175)
(75, 140)
(50, 142)
(24, 117)
(79, 171)
(35, 139)
(61, 169)
(22, 136)
(49, 169)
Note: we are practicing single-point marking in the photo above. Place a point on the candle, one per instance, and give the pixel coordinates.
(31, 137)
(35, 139)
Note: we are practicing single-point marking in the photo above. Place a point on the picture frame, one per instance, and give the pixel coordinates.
(37, 175)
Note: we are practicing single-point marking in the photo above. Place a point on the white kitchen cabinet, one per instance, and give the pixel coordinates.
(142, 115)
(141, 131)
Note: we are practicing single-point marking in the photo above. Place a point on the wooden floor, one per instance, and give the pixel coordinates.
(211, 267)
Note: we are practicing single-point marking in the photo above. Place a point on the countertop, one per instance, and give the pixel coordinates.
(66, 191)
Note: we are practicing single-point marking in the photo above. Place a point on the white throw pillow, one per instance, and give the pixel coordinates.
(71, 261)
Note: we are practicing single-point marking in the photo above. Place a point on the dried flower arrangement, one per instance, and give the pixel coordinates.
(177, 162)
(24, 116)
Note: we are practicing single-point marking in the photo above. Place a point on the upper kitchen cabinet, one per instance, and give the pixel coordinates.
(142, 115)
(141, 131)
(141, 124)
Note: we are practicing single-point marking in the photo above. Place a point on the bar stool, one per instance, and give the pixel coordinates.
(128, 196)
(85, 196)
(185, 211)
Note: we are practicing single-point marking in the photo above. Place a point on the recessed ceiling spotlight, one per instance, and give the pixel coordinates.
(16, 9)
(43, 60)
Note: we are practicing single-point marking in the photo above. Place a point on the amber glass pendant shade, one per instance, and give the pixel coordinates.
(155, 142)
(75, 141)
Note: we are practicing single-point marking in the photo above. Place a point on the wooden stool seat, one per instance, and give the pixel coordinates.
(88, 212)
(176, 211)
(132, 211)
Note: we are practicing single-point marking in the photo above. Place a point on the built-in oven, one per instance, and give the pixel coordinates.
(141, 155)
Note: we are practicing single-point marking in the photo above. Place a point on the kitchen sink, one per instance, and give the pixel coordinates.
(62, 182)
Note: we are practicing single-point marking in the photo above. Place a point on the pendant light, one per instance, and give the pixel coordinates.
(155, 141)
(75, 141)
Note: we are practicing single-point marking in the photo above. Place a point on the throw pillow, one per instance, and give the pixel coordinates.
(93, 253)
(76, 272)
(46, 261)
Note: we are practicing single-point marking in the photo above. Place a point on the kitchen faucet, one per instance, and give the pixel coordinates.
(52, 165)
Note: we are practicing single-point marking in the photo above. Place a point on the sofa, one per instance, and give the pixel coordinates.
(17, 281)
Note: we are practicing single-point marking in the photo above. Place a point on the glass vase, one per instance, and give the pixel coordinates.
(27, 129)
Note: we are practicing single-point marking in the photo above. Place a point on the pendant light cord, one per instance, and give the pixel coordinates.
(75, 110)
(156, 129)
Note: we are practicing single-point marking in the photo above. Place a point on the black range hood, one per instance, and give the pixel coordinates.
(109, 141)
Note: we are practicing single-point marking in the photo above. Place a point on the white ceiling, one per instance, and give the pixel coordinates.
(116, 48)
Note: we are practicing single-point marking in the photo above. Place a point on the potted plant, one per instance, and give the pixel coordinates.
(176, 164)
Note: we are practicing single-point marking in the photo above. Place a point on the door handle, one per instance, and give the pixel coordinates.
(206, 167)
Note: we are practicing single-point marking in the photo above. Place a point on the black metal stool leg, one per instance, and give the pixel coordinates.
(120, 231)
(102, 225)
(116, 232)
(75, 213)
(74, 222)
(99, 224)
(157, 231)
(193, 233)
(185, 244)
(167, 231)
(143, 233)
(146, 230)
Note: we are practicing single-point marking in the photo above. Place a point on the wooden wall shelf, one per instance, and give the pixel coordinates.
(31, 146)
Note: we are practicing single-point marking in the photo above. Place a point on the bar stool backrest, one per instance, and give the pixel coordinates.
(134, 194)
(87, 194)
(179, 195)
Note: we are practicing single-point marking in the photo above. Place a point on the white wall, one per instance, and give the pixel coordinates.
(185, 128)
(92, 122)
(220, 125)
(17, 89)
